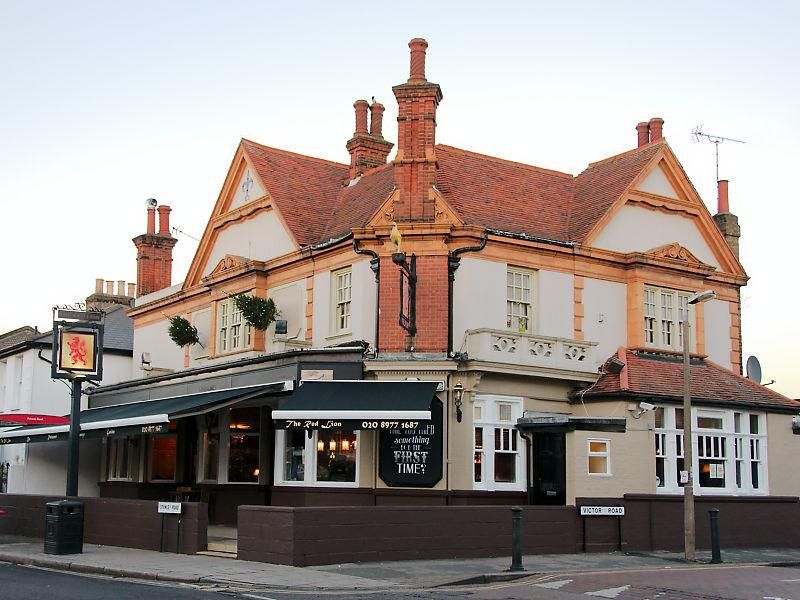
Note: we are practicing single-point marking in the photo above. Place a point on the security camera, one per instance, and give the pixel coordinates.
(646, 406)
(151, 203)
(796, 424)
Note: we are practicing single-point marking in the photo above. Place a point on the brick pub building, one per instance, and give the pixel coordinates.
(459, 333)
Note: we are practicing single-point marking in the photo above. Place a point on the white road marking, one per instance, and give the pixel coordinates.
(609, 592)
(776, 597)
(554, 585)
(790, 580)
(256, 597)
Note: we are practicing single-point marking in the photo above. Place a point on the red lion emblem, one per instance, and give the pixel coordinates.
(77, 350)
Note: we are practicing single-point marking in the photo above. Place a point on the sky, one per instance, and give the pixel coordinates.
(104, 105)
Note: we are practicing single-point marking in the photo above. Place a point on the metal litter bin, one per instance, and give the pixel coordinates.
(63, 532)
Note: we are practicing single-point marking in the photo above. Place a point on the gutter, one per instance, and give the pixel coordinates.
(531, 238)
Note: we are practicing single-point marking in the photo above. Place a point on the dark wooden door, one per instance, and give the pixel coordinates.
(549, 469)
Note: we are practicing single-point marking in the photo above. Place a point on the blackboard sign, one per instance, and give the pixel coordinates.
(413, 457)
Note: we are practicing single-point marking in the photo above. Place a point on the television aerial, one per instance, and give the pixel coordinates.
(698, 135)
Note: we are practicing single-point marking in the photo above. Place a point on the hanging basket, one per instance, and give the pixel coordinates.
(182, 332)
(258, 312)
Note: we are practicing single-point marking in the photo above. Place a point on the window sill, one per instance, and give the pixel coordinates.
(230, 353)
(605, 475)
(340, 334)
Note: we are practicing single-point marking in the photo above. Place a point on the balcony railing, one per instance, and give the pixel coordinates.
(532, 350)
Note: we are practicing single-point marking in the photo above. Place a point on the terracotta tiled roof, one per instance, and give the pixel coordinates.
(358, 202)
(659, 375)
(599, 186)
(303, 188)
(505, 195)
(313, 197)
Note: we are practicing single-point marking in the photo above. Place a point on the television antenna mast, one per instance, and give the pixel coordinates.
(698, 135)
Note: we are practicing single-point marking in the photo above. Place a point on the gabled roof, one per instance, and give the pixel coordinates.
(303, 188)
(660, 376)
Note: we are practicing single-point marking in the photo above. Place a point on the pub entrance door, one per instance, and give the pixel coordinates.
(549, 477)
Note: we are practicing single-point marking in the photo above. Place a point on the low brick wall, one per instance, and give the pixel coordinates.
(327, 535)
(113, 522)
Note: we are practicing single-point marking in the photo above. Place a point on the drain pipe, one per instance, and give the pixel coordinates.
(453, 262)
(375, 265)
(529, 469)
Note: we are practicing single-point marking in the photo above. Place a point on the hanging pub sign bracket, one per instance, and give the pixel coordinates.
(408, 291)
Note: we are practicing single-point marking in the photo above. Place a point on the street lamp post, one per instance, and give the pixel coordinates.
(688, 448)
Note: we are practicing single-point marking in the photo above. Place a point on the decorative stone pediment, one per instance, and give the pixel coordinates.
(443, 212)
(231, 261)
(676, 252)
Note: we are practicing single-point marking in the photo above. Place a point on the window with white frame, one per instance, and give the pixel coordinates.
(519, 299)
(664, 313)
(329, 458)
(122, 459)
(599, 456)
(498, 460)
(729, 451)
(233, 332)
(342, 298)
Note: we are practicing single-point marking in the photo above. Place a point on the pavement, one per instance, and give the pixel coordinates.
(225, 573)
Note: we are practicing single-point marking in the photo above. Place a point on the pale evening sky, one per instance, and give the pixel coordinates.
(106, 104)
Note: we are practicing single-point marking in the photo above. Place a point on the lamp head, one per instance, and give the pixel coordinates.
(702, 296)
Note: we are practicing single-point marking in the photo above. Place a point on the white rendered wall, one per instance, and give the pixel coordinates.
(717, 329)
(657, 183)
(290, 300)
(362, 308)
(635, 229)
(555, 307)
(605, 316)
(260, 238)
(479, 297)
(164, 353)
(201, 319)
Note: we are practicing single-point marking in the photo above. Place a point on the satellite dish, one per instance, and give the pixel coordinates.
(152, 202)
(754, 369)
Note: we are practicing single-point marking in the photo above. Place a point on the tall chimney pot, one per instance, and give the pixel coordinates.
(163, 220)
(131, 290)
(120, 287)
(361, 116)
(722, 196)
(656, 129)
(151, 220)
(418, 47)
(98, 286)
(376, 119)
(643, 133)
(110, 288)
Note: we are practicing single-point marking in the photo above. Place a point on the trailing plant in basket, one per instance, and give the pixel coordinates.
(182, 332)
(258, 312)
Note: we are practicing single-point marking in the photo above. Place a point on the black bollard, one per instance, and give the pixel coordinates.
(516, 539)
(716, 557)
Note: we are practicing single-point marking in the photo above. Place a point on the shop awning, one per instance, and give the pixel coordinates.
(354, 405)
(554, 422)
(147, 416)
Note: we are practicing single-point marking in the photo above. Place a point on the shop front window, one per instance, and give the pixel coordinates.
(243, 445)
(498, 463)
(294, 468)
(336, 456)
(163, 451)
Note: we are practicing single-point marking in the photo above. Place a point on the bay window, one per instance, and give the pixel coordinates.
(729, 452)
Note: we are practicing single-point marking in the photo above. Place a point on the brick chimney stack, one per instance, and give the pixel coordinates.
(656, 129)
(154, 252)
(109, 297)
(415, 163)
(367, 148)
(726, 221)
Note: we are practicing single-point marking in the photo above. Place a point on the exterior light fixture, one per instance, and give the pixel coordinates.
(688, 442)
(458, 394)
(320, 446)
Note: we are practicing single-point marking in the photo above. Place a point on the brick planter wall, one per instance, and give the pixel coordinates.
(327, 535)
(112, 522)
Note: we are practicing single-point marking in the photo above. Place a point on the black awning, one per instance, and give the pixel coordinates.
(137, 418)
(357, 405)
(557, 422)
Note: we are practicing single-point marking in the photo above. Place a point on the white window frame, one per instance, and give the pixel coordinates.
(486, 415)
(204, 430)
(342, 304)
(234, 334)
(112, 451)
(514, 319)
(310, 462)
(742, 447)
(664, 312)
(604, 454)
